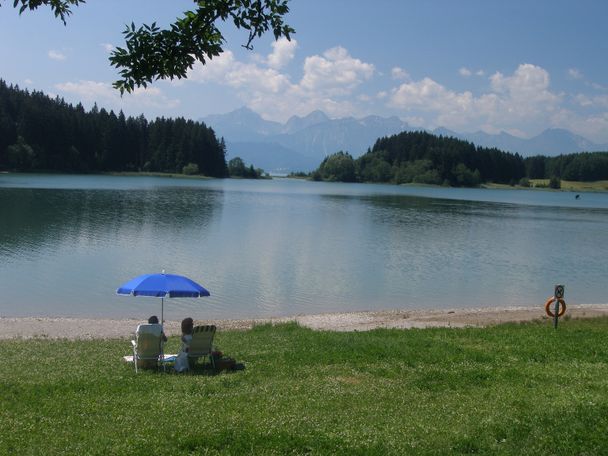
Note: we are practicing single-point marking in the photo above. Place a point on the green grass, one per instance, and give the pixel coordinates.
(575, 186)
(543, 184)
(510, 389)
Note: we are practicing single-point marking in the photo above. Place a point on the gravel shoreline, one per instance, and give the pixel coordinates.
(88, 328)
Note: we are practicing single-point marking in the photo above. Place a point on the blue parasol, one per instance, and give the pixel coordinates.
(162, 286)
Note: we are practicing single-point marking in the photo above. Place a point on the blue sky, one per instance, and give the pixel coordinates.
(515, 66)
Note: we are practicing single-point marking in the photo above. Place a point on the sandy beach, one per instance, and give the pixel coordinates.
(84, 328)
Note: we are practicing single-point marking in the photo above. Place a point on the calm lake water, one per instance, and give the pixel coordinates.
(284, 247)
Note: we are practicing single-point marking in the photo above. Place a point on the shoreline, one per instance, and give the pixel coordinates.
(104, 328)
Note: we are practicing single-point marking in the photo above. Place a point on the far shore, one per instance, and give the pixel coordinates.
(89, 328)
(600, 186)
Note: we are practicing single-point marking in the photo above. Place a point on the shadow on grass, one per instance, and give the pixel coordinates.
(208, 370)
(203, 369)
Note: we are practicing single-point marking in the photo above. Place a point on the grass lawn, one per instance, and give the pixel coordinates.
(575, 186)
(510, 389)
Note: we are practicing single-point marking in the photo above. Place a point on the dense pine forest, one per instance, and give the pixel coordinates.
(419, 157)
(41, 133)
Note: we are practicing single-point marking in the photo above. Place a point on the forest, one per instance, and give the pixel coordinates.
(41, 133)
(420, 157)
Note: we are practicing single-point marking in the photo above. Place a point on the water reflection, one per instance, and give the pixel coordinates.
(45, 221)
(284, 247)
(66, 251)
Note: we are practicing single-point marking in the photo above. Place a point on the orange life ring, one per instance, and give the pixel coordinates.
(550, 301)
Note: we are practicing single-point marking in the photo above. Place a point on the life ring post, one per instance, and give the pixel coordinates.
(559, 304)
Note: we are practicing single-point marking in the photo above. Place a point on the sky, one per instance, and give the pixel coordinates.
(468, 65)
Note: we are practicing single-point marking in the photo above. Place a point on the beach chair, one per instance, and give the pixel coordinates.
(147, 345)
(202, 344)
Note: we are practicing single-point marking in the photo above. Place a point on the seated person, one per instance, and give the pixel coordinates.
(153, 320)
(181, 362)
(148, 363)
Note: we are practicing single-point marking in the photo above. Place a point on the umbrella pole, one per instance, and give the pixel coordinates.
(162, 322)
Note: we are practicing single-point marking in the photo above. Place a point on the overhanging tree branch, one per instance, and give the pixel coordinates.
(61, 8)
(152, 53)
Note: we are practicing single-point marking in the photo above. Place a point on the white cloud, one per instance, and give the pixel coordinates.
(151, 97)
(336, 72)
(415, 121)
(225, 69)
(592, 126)
(327, 81)
(28, 81)
(525, 96)
(106, 96)
(599, 101)
(597, 86)
(465, 72)
(56, 55)
(92, 91)
(575, 73)
(427, 95)
(399, 74)
(283, 51)
(521, 101)
(583, 100)
(107, 47)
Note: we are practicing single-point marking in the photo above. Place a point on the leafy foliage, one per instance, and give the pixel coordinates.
(419, 157)
(524, 182)
(237, 168)
(152, 53)
(37, 132)
(555, 182)
(190, 169)
(584, 166)
(337, 167)
(425, 158)
(60, 8)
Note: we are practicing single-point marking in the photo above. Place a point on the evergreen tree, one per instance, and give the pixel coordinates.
(37, 132)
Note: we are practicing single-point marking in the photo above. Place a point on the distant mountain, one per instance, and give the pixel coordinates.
(271, 157)
(560, 141)
(242, 125)
(296, 123)
(550, 142)
(302, 142)
(346, 134)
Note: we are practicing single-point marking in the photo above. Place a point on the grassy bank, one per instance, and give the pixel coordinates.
(543, 184)
(511, 389)
(575, 186)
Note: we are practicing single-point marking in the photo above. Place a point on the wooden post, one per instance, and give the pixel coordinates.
(559, 294)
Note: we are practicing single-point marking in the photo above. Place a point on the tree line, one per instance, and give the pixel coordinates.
(38, 132)
(420, 157)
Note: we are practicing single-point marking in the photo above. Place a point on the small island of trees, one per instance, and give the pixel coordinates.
(423, 158)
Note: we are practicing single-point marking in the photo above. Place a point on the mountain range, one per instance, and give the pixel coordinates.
(301, 143)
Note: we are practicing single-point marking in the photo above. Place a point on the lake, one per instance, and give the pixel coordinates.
(284, 247)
